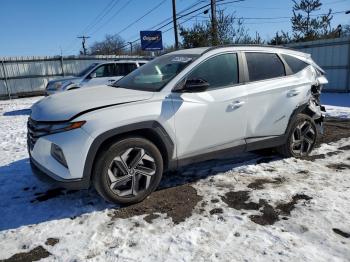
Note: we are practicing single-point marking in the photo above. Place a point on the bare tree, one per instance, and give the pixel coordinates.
(111, 45)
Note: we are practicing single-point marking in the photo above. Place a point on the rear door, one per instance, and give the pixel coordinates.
(273, 92)
(212, 120)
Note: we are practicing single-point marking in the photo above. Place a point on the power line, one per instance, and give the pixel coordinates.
(105, 11)
(286, 17)
(110, 19)
(140, 18)
(108, 8)
(170, 18)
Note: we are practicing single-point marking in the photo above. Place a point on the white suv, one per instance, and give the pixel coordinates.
(182, 107)
(102, 73)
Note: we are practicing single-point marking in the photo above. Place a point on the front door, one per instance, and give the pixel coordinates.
(215, 119)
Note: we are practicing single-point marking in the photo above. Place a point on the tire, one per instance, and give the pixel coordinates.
(128, 170)
(301, 137)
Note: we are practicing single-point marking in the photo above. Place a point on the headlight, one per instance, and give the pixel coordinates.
(62, 85)
(57, 128)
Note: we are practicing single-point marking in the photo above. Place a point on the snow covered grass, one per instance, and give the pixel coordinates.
(83, 224)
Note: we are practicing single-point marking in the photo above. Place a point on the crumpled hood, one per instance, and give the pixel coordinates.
(67, 105)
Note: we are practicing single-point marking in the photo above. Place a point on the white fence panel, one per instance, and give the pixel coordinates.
(30, 75)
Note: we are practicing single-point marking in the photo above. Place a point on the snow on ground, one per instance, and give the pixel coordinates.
(221, 228)
(337, 104)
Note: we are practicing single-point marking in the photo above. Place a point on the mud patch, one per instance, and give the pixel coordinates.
(314, 157)
(344, 147)
(52, 241)
(269, 215)
(334, 130)
(286, 208)
(238, 200)
(342, 233)
(32, 255)
(177, 202)
(149, 218)
(259, 183)
(334, 153)
(216, 211)
(338, 166)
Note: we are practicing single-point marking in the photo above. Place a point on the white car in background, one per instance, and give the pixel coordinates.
(104, 73)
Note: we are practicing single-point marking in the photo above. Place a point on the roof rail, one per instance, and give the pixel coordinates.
(246, 45)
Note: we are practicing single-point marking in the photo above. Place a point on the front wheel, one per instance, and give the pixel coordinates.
(301, 138)
(128, 171)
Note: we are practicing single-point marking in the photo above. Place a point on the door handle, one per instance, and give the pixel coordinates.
(236, 104)
(111, 80)
(293, 92)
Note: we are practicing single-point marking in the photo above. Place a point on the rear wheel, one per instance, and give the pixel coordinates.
(301, 138)
(128, 171)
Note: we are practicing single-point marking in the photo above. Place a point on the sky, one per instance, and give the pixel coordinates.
(49, 27)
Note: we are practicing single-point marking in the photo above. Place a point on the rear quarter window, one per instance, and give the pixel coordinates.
(263, 66)
(295, 64)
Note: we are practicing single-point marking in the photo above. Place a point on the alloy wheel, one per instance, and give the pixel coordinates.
(131, 172)
(303, 138)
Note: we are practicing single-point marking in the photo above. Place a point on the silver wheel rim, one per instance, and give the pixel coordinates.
(130, 173)
(303, 139)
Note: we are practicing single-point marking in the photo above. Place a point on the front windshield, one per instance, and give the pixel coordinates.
(86, 70)
(154, 75)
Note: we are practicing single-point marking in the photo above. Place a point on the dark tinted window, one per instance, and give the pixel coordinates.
(105, 70)
(219, 71)
(264, 66)
(294, 63)
(124, 69)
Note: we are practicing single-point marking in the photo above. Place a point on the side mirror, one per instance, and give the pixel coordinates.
(192, 86)
(93, 75)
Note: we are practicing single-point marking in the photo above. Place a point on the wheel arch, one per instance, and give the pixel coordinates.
(150, 130)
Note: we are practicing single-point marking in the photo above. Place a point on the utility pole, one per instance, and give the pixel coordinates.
(83, 41)
(175, 25)
(214, 26)
(130, 43)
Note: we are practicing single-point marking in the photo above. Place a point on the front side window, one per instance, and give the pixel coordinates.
(105, 70)
(86, 70)
(218, 71)
(263, 66)
(294, 63)
(154, 75)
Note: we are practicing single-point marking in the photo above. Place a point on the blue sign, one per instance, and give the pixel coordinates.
(151, 40)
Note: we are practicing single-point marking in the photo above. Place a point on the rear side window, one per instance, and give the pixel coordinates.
(294, 63)
(218, 71)
(124, 69)
(264, 66)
